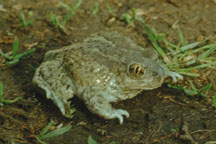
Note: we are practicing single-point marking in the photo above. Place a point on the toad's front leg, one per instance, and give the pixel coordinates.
(99, 103)
(52, 78)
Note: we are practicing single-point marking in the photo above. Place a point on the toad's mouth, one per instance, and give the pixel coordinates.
(143, 85)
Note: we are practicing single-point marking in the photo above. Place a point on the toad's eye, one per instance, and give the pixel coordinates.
(136, 70)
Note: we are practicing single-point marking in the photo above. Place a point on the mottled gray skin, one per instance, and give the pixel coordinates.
(97, 71)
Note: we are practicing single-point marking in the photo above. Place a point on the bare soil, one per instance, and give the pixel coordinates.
(161, 116)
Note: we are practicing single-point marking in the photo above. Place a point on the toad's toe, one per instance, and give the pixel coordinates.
(175, 76)
(119, 113)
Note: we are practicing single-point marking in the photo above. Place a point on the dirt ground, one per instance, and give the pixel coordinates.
(160, 116)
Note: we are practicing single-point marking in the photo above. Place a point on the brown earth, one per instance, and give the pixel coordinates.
(161, 116)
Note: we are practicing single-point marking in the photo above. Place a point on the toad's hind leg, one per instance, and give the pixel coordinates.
(99, 103)
(51, 77)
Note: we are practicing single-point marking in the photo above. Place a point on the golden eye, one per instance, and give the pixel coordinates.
(136, 70)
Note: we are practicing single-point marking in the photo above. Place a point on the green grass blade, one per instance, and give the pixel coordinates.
(157, 36)
(133, 18)
(154, 42)
(191, 74)
(71, 11)
(12, 62)
(126, 18)
(23, 22)
(189, 46)
(170, 44)
(170, 50)
(181, 38)
(214, 101)
(95, 9)
(197, 67)
(149, 32)
(209, 59)
(40, 141)
(45, 130)
(5, 56)
(56, 132)
(154, 31)
(130, 18)
(170, 47)
(203, 48)
(19, 56)
(15, 47)
(191, 62)
(13, 142)
(91, 140)
(193, 86)
(206, 88)
(53, 19)
(30, 22)
(1, 93)
(32, 68)
(22, 19)
(204, 95)
(64, 5)
(183, 55)
(186, 91)
(12, 101)
(207, 53)
(190, 92)
(175, 87)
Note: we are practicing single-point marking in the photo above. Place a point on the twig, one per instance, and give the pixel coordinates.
(205, 130)
(174, 101)
(187, 136)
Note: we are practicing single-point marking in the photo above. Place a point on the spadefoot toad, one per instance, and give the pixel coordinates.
(103, 69)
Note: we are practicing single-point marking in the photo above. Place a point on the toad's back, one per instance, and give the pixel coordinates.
(101, 62)
(96, 63)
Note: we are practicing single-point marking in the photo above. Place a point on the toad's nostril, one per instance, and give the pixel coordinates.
(154, 73)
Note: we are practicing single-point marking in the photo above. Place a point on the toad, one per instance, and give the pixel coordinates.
(103, 69)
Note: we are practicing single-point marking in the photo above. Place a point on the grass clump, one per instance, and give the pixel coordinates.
(182, 58)
(5, 101)
(59, 21)
(95, 9)
(129, 17)
(45, 133)
(91, 140)
(14, 57)
(23, 21)
(192, 91)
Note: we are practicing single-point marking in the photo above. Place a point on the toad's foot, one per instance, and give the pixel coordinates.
(112, 113)
(117, 113)
(175, 76)
(99, 104)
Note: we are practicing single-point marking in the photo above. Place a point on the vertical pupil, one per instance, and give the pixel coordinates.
(137, 70)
